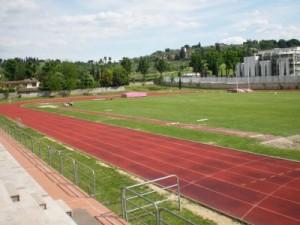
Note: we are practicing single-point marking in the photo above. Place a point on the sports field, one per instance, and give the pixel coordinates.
(265, 112)
(256, 189)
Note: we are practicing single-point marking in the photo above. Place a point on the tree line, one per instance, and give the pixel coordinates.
(55, 75)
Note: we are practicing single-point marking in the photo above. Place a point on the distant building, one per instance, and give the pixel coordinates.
(275, 62)
(21, 85)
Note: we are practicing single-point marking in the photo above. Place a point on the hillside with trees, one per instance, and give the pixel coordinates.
(217, 60)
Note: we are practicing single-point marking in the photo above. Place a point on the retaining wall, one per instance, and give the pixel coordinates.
(91, 91)
(267, 82)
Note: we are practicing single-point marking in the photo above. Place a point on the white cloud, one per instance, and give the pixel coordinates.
(265, 25)
(93, 28)
(233, 40)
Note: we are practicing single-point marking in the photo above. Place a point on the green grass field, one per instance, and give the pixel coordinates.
(264, 112)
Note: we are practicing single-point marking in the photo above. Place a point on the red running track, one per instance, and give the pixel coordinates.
(256, 189)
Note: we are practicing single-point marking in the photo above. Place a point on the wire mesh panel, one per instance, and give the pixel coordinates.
(68, 168)
(86, 178)
(141, 202)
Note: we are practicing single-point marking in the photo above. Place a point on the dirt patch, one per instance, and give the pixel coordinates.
(291, 142)
(47, 106)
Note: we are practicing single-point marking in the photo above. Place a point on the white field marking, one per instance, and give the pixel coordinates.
(47, 106)
(98, 99)
(202, 120)
(103, 164)
(107, 110)
(173, 123)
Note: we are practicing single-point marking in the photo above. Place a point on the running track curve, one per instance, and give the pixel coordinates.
(256, 189)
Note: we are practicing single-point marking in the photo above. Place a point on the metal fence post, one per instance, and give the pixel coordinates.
(75, 171)
(40, 150)
(32, 145)
(48, 155)
(157, 214)
(178, 193)
(93, 183)
(124, 205)
(61, 163)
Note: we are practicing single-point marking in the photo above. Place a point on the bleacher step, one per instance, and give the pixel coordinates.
(82, 217)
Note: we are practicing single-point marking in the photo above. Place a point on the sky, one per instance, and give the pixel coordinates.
(91, 29)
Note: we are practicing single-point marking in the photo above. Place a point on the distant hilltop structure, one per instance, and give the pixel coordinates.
(275, 62)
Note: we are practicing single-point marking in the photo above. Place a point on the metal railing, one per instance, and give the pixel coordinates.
(80, 174)
(138, 201)
(163, 221)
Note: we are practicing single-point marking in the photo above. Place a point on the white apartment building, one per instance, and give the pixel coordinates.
(275, 62)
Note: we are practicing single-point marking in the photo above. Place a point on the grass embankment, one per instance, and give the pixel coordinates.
(109, 181)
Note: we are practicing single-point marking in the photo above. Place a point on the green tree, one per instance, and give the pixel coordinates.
(56, 82)
(10, 68)
(231, 58)
(214, 60)
(86, 80)
(106, 77)
(31, 65)
(161, 65)
(282, 43)
(267, 44)
(197, 62)
(120, 76)
(70, 72)
(126, 64)
(293, 43)
(143, 67)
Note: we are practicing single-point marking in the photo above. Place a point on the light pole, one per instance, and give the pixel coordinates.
(248, 80)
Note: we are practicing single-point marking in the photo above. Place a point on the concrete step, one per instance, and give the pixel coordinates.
(82, 217)
(110, 219)
(56, 215)
(5, 199)
(65, 207)
(40, 200)
(12, 191)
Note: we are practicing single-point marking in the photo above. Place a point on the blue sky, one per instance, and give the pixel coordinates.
(92, 29)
